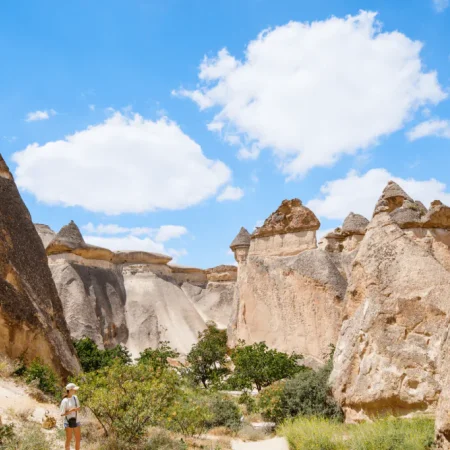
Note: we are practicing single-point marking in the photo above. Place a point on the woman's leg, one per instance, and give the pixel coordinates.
(77, 432)
(68, 437)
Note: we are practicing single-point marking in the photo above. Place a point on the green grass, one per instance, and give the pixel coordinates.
(311, 433)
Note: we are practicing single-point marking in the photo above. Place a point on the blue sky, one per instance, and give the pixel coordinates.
(110, 114)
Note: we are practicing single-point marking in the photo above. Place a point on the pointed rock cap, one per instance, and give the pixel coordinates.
(438, 216)
(290, 217)
(355, 224)
(68, 239)
(4, 169)
(241, 240)
(392, 198)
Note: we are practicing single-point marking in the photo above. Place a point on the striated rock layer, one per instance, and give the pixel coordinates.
(31, 316)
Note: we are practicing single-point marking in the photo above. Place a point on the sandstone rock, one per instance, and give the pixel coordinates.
(222, 273)
(241, 245)
(93, 297)
(137, 257)
(45, 233)
(392, 198)
(354, 224)
(157, 310)
(182, 274)
(31, 316)
(214, 302)
(438, 216)
(386, 358)
(290, 217)
(70, 240)
(291, 303)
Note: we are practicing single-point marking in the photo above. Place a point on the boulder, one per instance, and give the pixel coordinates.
(31, 315)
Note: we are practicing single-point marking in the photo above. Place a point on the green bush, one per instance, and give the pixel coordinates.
(7, 434)
(270, 403)
(126, 399)
(157, 358)
(258, 365)
(92, 358)
(47, 380)
(313, 433)
(224, 413)
(248, 400)
(308, 394)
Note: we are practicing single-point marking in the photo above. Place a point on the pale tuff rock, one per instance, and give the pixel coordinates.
(182, 274)
(386, 358)
(393, 197)
(291, 303)
(241, 245)
(137, 257)
(222, 273)
(355, 224)
(45, 233)
(290, 217)
(31, 316)
(158, 310)
(290, 230)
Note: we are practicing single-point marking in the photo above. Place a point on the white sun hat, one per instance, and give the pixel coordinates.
(72, 387)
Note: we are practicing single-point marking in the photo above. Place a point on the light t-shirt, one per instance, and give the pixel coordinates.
(69, 403)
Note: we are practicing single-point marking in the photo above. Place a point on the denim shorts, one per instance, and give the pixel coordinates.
(66, 425)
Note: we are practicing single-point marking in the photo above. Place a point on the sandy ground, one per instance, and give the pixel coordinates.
(14, 397)
(270, 444)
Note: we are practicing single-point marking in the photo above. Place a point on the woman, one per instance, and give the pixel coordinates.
(69, 410)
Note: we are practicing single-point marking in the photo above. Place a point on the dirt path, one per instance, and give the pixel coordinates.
(270, 444)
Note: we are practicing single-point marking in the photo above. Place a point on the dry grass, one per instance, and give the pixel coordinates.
(248, 433)
(7, 367)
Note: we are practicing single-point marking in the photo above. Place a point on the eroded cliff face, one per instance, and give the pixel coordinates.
(289, 293)
(388, 356)
(31, 316)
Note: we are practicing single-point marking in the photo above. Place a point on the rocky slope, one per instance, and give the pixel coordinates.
(31, 315)
(134, 298)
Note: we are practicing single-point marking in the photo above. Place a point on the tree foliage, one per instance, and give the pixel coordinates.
(126, 399)
(207, 358)
(92, 358)
(158, 358)
(257, 365)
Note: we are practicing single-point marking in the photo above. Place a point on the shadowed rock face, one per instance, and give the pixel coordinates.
(31, 316)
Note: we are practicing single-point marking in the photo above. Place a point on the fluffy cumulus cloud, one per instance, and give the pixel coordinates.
(125, 165)
(312, 92)
(359, 193)
(230, 193)
(432, 127)
(40, 115)
(146, 239)
(440, 5)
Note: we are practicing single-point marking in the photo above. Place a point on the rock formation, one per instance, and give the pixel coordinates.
(31, 317)
(387, 358)
(288, 293)
(45, 233)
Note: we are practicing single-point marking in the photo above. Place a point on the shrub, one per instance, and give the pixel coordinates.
(92, 358)
(189, 414)
(308, 394)
(224, 413)
(247, 399)
(126, 399)
(207, 358)
(257, 365)
(6, 434)
(30, 437)
(46, 379)
(270, 403)
(157, 358)
(163, 441)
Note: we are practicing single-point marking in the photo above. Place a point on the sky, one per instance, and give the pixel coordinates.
(166, 125)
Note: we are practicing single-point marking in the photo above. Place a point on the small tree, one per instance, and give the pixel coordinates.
(257, 365)
(157, 358)
(207, 358)
(92, 358)
(126, 399)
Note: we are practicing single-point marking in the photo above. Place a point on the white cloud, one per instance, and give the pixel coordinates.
(162, 234)
(440, 5)
(433, 127)
(40, 115)
(312, 92)
(125, 165)
(359, 193)
(230, 193)
(92, 107)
